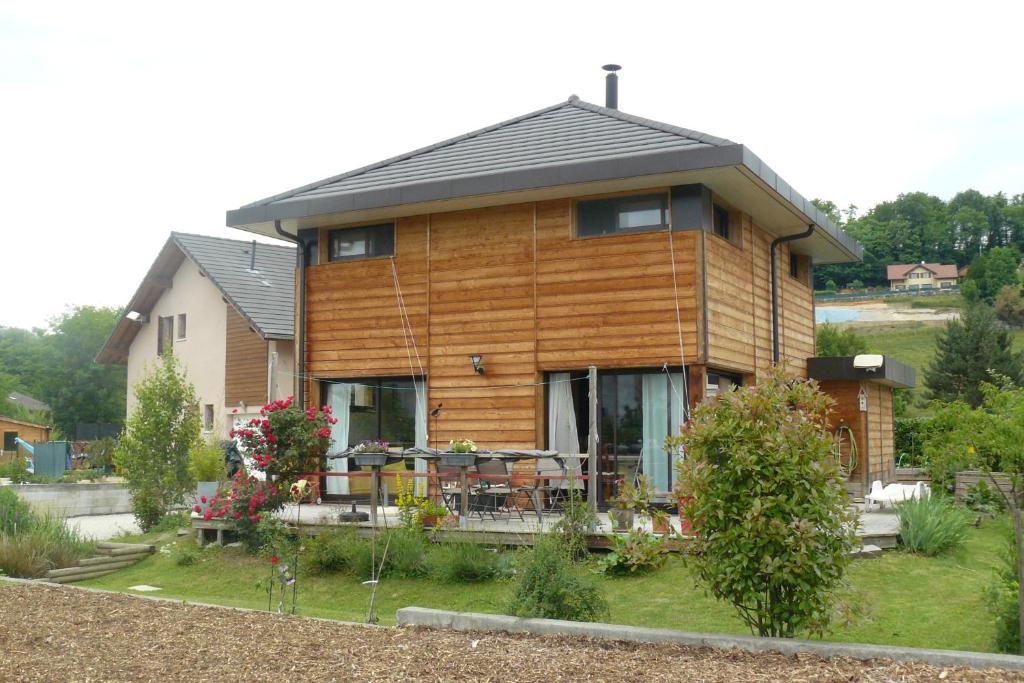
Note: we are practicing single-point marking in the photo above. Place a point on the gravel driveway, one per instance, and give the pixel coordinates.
(63, 634)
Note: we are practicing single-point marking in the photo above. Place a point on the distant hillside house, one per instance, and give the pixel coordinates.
(227, 314)
(916, 276)
(27, 402)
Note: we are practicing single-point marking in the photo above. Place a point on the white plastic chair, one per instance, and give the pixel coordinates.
(895, 493)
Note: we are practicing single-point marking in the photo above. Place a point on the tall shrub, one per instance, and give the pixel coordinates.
(153, 454)
(773, 534)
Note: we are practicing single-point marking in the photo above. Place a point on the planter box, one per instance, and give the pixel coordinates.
(371, 459)
(458, 459)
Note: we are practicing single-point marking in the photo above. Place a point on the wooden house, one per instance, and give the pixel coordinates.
(12, 429)
(466, 289)
(862, 419)
(225, 308)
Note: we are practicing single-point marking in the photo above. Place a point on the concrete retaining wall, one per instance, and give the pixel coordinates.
(76, 500)
(472, 621)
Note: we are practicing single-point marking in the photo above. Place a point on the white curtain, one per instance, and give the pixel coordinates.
(339, 397)
(655, 396)
(421, 435)
(677, 415)
(563, 435)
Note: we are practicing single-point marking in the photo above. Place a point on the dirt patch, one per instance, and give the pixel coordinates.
(49, 634)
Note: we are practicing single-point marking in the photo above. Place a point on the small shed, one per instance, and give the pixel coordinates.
(11, 429)
(862, 418)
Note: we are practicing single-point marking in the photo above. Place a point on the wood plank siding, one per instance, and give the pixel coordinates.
(739, 308)
(245, 367)
(514, 284)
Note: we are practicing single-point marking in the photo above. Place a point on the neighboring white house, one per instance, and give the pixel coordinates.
(915, 276)
(225, 308)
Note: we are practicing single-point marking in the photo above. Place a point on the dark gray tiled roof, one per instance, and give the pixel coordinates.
(568, 132)
(265, 296)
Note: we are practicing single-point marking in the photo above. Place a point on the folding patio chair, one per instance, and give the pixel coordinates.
(497, 487)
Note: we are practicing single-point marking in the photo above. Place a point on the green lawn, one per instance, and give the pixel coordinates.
(906, 599)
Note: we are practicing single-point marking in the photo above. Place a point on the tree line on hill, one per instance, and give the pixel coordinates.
(56, 365)
(917, 226)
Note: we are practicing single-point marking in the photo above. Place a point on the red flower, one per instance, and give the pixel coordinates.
(273, 559)
(202, 499)
(324, 432)
(197, 508)
(208, 515)
(234, 410)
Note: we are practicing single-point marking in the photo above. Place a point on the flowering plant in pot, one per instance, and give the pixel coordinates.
(371, 452)
(462, 446)
(431, 513)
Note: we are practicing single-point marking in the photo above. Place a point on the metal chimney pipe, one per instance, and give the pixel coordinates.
(252, 256)
(611, 86)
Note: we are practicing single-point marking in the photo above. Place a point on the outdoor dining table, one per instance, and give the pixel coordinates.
(375, 461)
(466, 460)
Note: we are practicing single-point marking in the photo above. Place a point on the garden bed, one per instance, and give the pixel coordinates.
(86, 636)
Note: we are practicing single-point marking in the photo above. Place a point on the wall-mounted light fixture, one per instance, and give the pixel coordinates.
(478, 368)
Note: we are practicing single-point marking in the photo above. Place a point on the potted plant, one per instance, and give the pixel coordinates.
(461, 453)
(623, 505)
(431, 513)
(206, 467)
(660, 524)
(373, 452)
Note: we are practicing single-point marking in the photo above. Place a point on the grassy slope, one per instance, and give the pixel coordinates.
(908, 600)
(914, 344)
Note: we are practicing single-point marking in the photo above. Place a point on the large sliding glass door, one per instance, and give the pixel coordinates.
(638, 408)
(374, 409)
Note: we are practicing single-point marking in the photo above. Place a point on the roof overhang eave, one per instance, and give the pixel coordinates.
(433, 196)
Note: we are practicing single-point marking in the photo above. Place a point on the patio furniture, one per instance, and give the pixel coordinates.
(449, 481)
(493, 488)
(895, 493)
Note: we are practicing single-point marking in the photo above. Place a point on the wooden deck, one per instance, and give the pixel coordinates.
(876, 528)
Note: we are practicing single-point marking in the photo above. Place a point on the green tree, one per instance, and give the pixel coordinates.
(772, 532)
(1009, 306)
(967, 351)
(153, 454)
(78, 388)
(994, 270)
(835, 342)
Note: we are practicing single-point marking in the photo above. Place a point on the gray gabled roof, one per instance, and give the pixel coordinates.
(264, 296)
(571, 131)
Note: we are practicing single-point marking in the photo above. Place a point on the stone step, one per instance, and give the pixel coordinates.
(866, 551)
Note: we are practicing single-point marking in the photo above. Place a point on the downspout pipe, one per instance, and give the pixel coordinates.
(300, 360)
(775, 284)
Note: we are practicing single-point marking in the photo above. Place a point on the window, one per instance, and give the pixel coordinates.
(794, 265)
(208, 417)
(164, 335)
(720, 221)
(638, 409)
(357, 243)
(719, 383)
(181, 327)
(621, 214)
(9, 441)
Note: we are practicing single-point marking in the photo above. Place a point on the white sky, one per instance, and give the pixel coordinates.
(122, 122)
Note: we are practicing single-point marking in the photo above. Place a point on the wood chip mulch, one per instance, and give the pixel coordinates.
(63, 634)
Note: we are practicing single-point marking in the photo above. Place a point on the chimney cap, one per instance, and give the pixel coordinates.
(611, 67)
